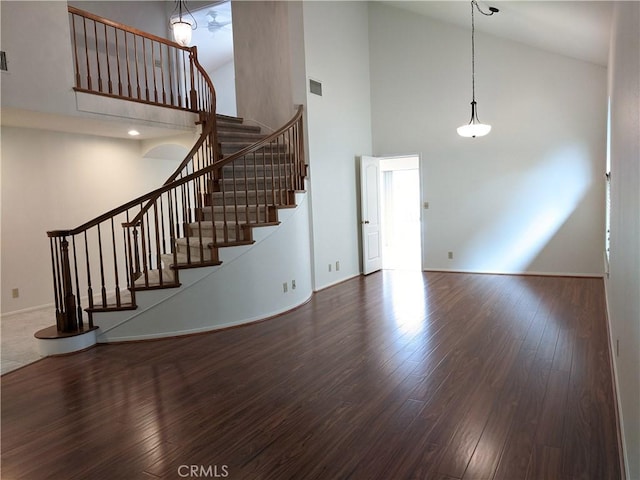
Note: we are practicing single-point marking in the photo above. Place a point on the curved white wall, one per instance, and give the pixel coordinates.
(248, 286)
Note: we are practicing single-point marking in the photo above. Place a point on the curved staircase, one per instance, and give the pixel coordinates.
(234, 180)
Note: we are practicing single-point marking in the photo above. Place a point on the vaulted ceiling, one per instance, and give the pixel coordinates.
(578, 29)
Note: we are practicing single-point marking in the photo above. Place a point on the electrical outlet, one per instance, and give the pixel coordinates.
(329, 267)
(285, 287)
(450, 255)
(15, 293)
(293, 284)
(337, 265)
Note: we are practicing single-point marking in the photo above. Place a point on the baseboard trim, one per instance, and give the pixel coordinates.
(205, 330)
(31, 309)
(624, 466)
(520, 274)
(337, 282)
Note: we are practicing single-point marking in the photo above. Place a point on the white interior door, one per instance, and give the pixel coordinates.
(370, 214)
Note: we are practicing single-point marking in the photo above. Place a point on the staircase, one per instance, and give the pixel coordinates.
(234, 180)
(232, 206)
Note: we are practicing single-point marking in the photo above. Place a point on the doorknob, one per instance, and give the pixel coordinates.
(366, 222)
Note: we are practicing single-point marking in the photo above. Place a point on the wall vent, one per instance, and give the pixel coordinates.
(3, 61)
(315, 87)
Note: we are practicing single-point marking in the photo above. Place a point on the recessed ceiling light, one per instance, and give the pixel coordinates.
(133, 133)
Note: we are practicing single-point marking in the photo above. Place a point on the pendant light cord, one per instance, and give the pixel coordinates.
(180, 4)
(492, 10)
(473, 54)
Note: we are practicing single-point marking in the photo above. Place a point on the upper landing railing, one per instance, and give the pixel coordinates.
(119, 61)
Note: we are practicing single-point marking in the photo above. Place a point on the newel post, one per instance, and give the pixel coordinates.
(68, 334)
(66, 318)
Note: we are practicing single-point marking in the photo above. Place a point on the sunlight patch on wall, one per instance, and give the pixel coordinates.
(535, 208)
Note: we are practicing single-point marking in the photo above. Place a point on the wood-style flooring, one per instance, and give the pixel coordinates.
(398, 375)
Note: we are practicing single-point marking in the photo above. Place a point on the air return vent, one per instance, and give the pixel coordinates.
(3, 61)
(315, 87)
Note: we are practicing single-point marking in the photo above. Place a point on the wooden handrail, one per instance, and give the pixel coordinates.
(121, 26)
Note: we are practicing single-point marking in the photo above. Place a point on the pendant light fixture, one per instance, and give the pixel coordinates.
(475, 128)
(182, 27)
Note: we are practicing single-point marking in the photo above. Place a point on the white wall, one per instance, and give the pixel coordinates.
(623, 286)
(518, 199)
(224, 81)
(262, 62)
(53, 180)
(45, 53)
(339, 128)
(151, 16)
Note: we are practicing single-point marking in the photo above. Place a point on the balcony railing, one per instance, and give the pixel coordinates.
(119, 61)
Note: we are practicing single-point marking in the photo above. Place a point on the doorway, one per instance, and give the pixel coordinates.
(400, 201)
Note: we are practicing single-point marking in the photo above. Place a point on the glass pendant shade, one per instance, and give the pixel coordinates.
(474, 128)
(182, 32)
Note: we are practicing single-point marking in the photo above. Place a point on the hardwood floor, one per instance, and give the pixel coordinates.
(399, 375)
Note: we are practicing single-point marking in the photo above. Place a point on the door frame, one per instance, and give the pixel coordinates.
(363, 214)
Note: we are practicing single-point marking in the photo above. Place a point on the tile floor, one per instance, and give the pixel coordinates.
(18, 345)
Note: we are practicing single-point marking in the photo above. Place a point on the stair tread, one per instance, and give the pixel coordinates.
(258, 162)
(194, 241)
(234, 143)
(220, 208)
(111, 307)
(230, 123)
(228, 118)
(183, 260)
(252, 191)
(206, 224)
(153, 276)
(112, 303)
(248, 134)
